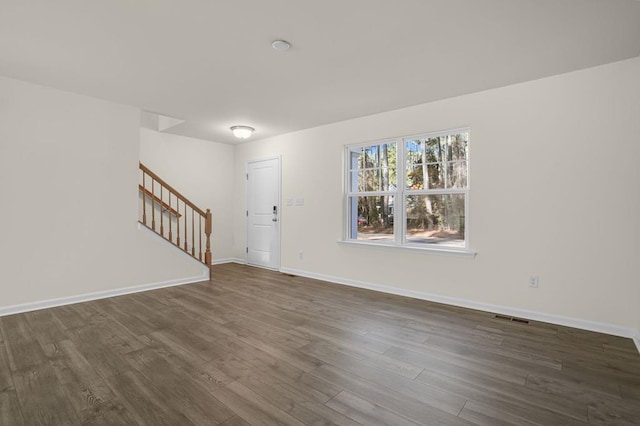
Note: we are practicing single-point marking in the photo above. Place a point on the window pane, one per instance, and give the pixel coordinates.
(457, 146)
(457, 174)
(424, 168)
(353, 181)
(369, 180)
(371, 157)
(432, 162)
(413, 152)
(432, 174)
(378, 156)
(430, 150)
(387, 179)
(372, 218)
(436, 219)
(434, 149)
(373, 168)
(356, 158)
(374, 180)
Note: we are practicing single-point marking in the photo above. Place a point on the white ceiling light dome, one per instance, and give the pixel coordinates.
(280, 45)
(242, 132)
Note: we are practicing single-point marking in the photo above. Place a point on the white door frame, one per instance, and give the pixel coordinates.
(278, 158)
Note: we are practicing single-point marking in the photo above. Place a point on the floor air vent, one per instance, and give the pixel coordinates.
(513, 319)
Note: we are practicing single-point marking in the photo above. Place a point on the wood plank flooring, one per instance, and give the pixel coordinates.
(256, 347)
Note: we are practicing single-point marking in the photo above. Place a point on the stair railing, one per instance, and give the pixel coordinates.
(171, 215)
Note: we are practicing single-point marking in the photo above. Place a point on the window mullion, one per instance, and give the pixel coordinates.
(445, 172)
(372, 194)
(438, 191)
(399, 203)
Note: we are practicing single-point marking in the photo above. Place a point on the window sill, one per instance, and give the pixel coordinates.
(441, 251)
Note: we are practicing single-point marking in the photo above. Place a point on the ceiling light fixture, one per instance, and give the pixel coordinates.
(280, 45)
(242, 132)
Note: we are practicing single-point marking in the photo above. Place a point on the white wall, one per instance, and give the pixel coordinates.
(202, 172)
(77, 156)
(69, 199)
(554, 192)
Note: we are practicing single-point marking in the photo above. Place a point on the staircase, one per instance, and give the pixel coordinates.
(171, 215)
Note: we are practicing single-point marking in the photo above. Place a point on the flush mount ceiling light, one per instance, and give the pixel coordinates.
(242, 132)
(280, 45)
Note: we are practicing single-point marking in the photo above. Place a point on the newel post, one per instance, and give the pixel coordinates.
(207, 232)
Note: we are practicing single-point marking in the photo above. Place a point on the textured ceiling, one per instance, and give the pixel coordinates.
(210, 63)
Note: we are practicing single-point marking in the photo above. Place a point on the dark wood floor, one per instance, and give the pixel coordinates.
(258, 347)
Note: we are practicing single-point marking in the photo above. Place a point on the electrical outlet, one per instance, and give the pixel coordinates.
(533, 281)
(300, 255)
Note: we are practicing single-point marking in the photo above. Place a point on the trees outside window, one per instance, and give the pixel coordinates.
(411, 191)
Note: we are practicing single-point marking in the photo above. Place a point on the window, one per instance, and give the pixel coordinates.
(410, 192)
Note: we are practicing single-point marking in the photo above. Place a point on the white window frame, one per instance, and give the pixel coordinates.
(400, 197)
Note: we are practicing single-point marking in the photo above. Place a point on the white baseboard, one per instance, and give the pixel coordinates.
(599, 327)
(43, 304)
(228, 260)
(222, 261)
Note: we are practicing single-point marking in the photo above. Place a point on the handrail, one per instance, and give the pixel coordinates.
(157, 200)
(171, 189)
(165, 198)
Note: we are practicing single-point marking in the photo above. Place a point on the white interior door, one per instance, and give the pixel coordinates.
(263, 213)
